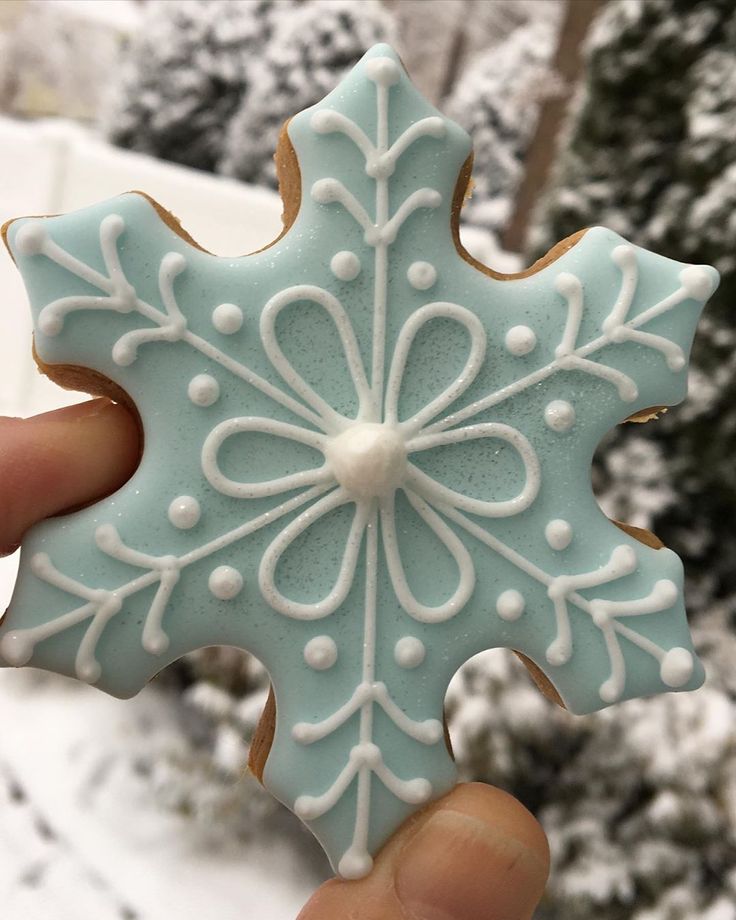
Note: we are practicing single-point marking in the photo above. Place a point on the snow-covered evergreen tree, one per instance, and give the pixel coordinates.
(310, 51)
(185, 74)
(650, 151)
(208, 83)
(497, 100)
(639, 801)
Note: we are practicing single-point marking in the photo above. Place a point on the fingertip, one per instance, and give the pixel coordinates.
(62, 460)
(476, 854)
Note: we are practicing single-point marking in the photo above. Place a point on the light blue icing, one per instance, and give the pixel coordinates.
(398, 754)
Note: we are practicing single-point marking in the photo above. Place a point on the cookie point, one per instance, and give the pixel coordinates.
(16, 648)
(383, 70)
(677, 667)
(31, 238)
(355, 864)
(699, 281)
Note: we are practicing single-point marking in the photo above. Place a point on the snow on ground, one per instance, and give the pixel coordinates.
(79, 838)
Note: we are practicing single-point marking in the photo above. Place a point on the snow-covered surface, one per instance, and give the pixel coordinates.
(80, 838)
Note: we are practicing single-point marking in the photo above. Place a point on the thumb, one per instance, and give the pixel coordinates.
(477, 854)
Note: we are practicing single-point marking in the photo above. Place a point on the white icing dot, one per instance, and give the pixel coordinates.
(559, 415)
(16, 648)
(355, 863)
(510, 605)
(382, 70)
(345, 265)
(558, 534)
(609, 692)
(30, 239)
(520, 340)
(698, 281)
(225, 582)
(89, 671)
(677, 667)
(227, 318)
(184, 512)
(409, 652)
(203, 390)
(320, 653)
(421, 275)
(558, 653)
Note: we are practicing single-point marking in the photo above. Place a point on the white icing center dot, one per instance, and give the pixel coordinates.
(510, 605)
(320, 653)
(227, 318)
(345, 265)
(368, 459)
(520, 340)
(558, 534)
(677, 667)
(184, 512)
(409, 652)
(203, 390)
(421, 275)
(225, 582)
(559, 415)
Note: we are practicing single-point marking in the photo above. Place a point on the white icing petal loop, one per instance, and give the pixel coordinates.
(311, 293)
(227, 429)
(299, 610)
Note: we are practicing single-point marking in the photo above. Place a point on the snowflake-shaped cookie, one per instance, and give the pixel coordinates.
(366, 458)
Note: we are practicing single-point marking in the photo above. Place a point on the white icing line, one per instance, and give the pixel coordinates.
(561, 591)
(421, 198)
(432, 126)
(569, 286)
(345, 331)
(270, 560)
(435, 492)
(456, 548)
(572, 361)
(328, 121)
(404, 342)
(17, 646)
(220, 433)
(332, 191)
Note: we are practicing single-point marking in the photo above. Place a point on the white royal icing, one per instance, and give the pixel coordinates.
(184, 512)
(409, 652)
(203, 390)
(320, 653)
(559, 415)
(510, 605)
(558, 534)
(227, 318)
(345, 265)
(520, 341)
(225, 582)
(421, 275)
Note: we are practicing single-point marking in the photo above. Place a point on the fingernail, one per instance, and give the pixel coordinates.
(82, 410)
(460, 868)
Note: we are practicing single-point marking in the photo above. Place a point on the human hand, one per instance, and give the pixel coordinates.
(477, 854)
